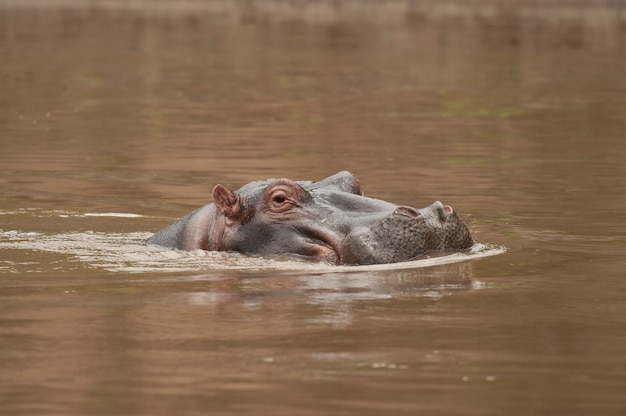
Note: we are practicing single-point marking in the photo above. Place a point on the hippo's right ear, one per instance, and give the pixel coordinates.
(225, 201)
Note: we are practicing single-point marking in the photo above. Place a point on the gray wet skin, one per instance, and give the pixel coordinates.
(329, 220)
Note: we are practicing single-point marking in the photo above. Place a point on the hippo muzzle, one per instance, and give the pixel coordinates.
(406, 234)
(328, 220)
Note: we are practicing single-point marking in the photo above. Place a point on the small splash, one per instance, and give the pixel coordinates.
(478, 250)
(128, 253)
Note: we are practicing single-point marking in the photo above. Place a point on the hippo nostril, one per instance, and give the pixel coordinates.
(407, 211)
(444, 212)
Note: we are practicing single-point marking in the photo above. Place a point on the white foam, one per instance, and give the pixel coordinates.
(127, 252)
(111, 214)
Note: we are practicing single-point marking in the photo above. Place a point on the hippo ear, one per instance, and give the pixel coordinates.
(225, 201)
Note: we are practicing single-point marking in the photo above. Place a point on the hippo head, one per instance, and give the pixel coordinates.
(329, 220)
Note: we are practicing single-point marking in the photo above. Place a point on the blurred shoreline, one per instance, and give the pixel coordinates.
(571, 23)
(592, 12)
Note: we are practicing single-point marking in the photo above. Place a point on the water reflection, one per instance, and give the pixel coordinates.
(333, 295)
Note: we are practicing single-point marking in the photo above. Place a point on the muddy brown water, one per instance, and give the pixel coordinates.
(118, 117)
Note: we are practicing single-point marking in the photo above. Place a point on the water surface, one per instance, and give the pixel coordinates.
(116, 119)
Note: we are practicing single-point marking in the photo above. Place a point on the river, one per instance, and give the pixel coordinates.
(117, 117)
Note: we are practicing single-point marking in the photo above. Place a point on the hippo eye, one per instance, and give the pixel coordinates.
(283, 195)
(280, 201)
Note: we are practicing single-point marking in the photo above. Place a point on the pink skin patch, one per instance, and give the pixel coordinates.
(448, 209)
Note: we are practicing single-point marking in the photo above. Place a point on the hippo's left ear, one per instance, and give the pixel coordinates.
(225, 201)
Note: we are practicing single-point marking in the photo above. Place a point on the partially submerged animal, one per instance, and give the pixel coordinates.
(328, 220)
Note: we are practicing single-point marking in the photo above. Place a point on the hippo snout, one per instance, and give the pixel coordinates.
(406, 234)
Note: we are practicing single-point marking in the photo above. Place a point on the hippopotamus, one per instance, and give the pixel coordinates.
(330, 220)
